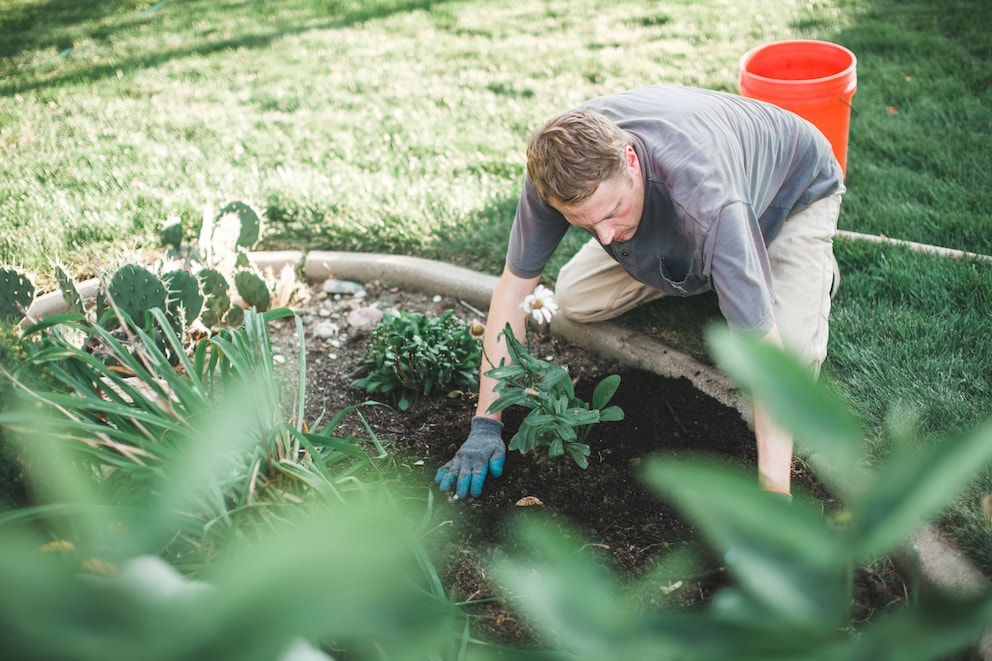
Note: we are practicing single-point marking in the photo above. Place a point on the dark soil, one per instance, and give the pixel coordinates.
(606, 505)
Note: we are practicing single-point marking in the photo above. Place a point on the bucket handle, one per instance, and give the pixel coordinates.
(854, 111)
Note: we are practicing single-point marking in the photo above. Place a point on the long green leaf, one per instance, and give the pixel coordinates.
(914, 485)
(785, 556)
(605, 390)
(611, 414)
(807, 409)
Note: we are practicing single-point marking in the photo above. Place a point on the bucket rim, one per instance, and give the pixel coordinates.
(846, 72)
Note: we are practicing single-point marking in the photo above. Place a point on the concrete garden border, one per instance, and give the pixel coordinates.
(927, 558)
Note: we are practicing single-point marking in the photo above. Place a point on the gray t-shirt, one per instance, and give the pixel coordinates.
(721, 175)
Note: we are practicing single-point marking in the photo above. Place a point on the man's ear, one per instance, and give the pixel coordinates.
(631, 157)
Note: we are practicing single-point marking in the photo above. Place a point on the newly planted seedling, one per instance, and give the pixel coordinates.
(558, 419)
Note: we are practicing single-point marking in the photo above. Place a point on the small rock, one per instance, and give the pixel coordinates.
(279, 360)
(528, 501)
(437, 298)
(364, 317)
(306, 319)
(332, 286)
(325, 330)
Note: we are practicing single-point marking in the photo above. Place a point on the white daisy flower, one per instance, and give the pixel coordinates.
(476, 329)
(541, 305)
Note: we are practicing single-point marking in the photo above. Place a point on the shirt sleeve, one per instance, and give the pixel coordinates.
(740, 272)
(537, 230)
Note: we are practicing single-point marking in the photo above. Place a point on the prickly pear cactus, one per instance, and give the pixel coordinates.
(16, 294)
(235, 317)
(251, 223)
(184, 293)
(136, 290)
(172, 233)
(216, 291)
(73, 301)
(253, 290)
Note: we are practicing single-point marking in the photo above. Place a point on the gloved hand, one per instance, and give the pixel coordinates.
(482, 452)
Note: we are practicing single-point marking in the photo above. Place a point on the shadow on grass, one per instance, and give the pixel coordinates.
(959, 24)
(30, 26)
(59, 24)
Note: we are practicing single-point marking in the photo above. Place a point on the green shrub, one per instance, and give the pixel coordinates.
(413, 354)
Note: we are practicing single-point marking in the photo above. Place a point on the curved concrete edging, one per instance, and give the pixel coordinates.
(608, 339)
(927, 558)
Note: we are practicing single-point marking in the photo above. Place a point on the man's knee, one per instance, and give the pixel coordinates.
(573, 303)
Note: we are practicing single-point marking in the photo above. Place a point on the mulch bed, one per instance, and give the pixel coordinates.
(605, 504)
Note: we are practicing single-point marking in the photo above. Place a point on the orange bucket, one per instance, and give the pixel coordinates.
(814, 79)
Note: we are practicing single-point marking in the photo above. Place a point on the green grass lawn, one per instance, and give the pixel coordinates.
(399, 126)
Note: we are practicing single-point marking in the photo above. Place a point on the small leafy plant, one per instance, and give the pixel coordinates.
(412, 354)
(558, 419)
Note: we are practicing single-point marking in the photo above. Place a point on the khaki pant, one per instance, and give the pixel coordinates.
(593, 287)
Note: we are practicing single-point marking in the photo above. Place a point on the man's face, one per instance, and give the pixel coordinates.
(613, 212)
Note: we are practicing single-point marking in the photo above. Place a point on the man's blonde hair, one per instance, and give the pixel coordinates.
(573, 153)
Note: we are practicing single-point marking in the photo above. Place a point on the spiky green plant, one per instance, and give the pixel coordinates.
(139, 414)
(135, 291)
(227, 238)
(217, 298)
(251, 223)
(172, 233)
(67, 286)
(253, 289)
(144, 459)
(16, 294)
(172, 236)
(184, 294)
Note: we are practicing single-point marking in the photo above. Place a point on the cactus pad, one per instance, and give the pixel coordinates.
(251, 224)
(67, 286)
(136, 290)
(235, 317)
(217, 297)
(184, 292)
(172, 233)
(253, 290)
(16, 294)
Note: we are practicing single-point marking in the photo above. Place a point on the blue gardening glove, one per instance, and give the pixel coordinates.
(482, 452)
